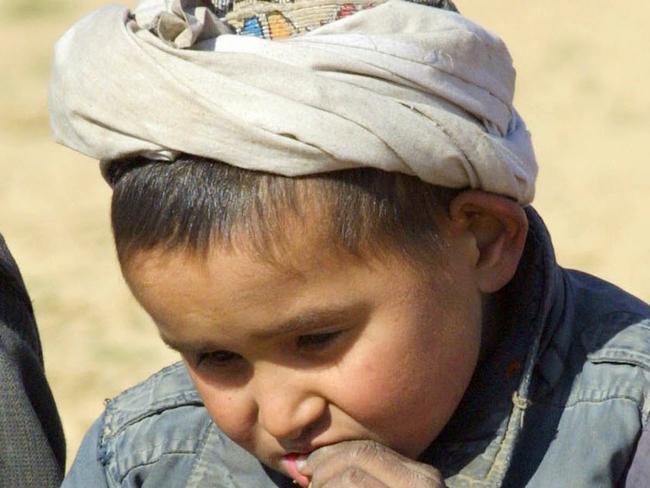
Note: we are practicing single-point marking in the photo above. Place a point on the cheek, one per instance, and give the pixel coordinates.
(406, 388)
(230, 409)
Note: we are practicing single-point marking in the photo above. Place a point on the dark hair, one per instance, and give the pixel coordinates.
(443, 4)
(195, 202)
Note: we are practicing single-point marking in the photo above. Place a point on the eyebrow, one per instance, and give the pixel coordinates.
(308, 321)
(186, 347)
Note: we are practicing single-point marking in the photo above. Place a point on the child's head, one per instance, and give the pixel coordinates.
(350, 297)
(319, 309)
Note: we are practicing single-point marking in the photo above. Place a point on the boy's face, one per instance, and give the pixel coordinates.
(327, 349)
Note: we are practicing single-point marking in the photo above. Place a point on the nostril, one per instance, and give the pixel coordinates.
(282, 426)
(295, 435)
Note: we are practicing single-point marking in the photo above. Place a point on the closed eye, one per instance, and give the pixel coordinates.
(217, 358)
(317, 341)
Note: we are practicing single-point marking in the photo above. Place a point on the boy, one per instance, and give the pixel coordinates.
(328, 216)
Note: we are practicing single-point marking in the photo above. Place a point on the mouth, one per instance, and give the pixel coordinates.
(290, 462)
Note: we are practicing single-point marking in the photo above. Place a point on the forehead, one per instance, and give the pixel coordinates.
(226, 278)
(230, 296)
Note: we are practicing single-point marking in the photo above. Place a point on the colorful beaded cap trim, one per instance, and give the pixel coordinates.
(280, 19)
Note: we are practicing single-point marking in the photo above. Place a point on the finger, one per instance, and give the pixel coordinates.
(386, 465)
(350, 478)
(360, 451)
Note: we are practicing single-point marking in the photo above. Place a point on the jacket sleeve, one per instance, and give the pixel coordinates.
(87, 469)
(32, 447)
(638, 475)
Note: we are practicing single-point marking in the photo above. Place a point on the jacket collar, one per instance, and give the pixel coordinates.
(479, 440)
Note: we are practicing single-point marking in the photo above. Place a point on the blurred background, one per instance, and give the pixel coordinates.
(583, 73)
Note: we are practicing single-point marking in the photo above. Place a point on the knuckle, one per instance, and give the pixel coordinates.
(353, 476)
(367, 449)
(432, 473)
(427, 476)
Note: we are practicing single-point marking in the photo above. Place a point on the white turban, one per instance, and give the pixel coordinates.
(401, 87)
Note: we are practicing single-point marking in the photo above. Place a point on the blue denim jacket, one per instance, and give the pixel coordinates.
(563, 401)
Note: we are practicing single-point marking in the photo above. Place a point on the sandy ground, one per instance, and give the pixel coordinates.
(583, 68)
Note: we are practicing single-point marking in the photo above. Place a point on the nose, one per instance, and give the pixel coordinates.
(288, 411)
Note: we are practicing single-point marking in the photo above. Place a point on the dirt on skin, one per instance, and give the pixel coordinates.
(583, 68)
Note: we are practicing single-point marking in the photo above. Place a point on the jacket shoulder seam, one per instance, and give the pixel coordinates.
(117, 419)
(623, 347)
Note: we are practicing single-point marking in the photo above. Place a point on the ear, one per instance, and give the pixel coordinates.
(497, 228)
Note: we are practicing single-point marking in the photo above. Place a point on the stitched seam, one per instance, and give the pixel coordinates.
(645, 419)
(150, 413)
(591, 401)
(646, 415)
(631, 359)
(198, 466)
(144, 385)
(157, 459)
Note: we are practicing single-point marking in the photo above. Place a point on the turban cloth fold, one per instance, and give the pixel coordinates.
(400, 87)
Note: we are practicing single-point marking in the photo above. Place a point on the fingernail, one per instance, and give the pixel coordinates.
(301, 464)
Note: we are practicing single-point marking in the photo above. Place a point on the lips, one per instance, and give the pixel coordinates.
(291, 462)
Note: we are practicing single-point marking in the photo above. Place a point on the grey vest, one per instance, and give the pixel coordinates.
(32, 447)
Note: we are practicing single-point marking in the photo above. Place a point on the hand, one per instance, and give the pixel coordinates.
(367, 464)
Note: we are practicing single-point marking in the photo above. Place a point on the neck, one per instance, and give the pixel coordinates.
(496, 323)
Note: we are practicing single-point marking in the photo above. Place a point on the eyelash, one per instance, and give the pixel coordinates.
(311, 342)
(317, 341)
(219, 358)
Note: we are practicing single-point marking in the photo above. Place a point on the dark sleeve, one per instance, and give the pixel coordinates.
(638, 475)
(32, 446)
